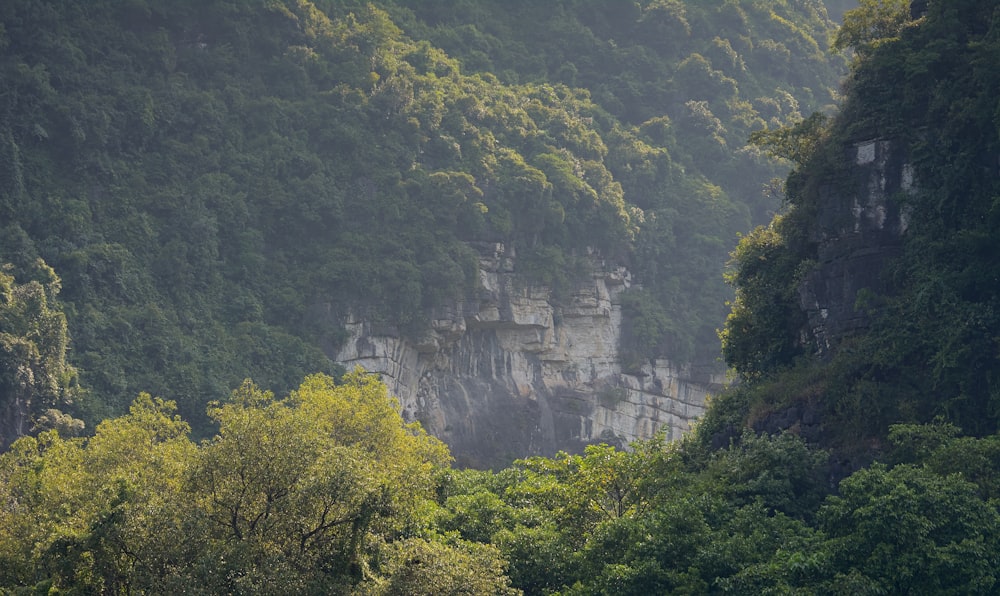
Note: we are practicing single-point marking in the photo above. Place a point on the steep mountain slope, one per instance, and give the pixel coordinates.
(873, 301)
(879, 274)
(222, 186)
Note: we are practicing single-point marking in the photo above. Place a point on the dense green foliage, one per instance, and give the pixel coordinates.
(328, 491)
(928, 86)
(36, 382)
(686, 84)
(321, 492)
(940, 332)
(219, 184)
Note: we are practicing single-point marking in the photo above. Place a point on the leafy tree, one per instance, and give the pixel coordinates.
(102, 514)
(36, 381)
(941, 448)
(910, 530)
(762, 330)
(308, 493)
(418, 566)
(798, 143)
(781, 473)
(872, 23)
(306, 482)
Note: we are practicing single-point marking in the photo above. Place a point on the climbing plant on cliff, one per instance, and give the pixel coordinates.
(939, 332)
(763, 331)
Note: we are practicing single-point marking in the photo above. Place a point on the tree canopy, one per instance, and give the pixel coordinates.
(327, 490)
(320, 492)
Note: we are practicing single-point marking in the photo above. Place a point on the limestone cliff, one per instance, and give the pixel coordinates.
(511, 372)
(859, 228)
(860, 225)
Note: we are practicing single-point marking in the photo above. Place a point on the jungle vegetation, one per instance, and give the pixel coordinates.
(328, 491)
(323, 488)
(931, 347)
(217, 185)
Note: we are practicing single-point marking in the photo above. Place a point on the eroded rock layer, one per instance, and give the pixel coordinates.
(511, 372)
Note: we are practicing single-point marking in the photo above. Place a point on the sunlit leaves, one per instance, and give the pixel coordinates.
(420, 567)
(291, 492)
(36, 381)
(796, 142)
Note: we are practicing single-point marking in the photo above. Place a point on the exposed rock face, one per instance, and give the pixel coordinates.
(860, 228)
(510, 373)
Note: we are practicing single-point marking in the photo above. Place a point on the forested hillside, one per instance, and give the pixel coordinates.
(685, 84)
(922, 93)
(213, 186)
(857, 455)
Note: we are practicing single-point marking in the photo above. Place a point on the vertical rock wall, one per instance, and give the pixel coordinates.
(860, 228)
(509, 373)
